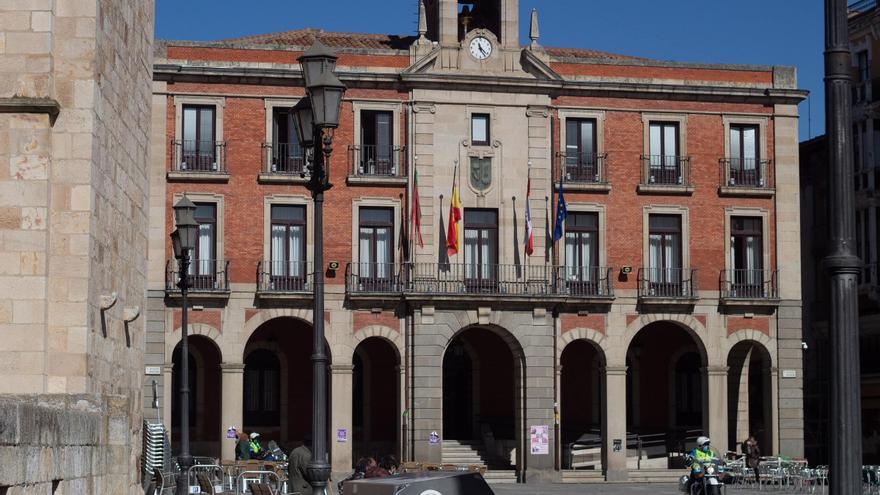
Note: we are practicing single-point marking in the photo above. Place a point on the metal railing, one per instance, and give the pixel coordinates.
(368, 160)
(749, 284)
(199, 156)
(373, 278)
(667, 283)
(274, 276)
(283, 159)
(744, 172)
(579, 281)
(583, 168)
(205, 275)
(667, 170)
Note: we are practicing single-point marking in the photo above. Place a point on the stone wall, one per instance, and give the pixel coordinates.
(75, 85)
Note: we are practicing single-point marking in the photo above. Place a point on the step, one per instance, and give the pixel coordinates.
(583, 476)
(656, 475)
(500, 476)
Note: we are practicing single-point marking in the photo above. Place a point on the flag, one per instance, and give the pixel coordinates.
(561, 214)
(417, 210)
(530, 244)
(452, 245)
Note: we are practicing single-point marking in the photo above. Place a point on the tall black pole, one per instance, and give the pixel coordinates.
(185, 460)
(318, 469)
(842, 263)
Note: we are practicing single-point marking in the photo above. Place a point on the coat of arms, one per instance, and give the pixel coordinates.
(481, 173)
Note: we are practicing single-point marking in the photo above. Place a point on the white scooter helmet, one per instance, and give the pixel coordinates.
(702, 441)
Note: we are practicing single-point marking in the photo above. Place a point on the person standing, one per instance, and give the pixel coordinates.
(298, 461)
(753, 455)
(243, 448)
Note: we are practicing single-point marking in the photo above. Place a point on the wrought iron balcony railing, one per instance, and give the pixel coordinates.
(745, 172)
(583, 168)
(479, 279)
(666, 170)
(199, 156)
(374, 278)
(284, 277)
(667, 283)
(749, 284)
(368, 160)
(204, 276)
(283, 159)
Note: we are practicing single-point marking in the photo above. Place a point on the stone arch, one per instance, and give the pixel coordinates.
(687, 322)
(594, 337)
(512, 342)
(757, 337)
(265, 315)
(202, 329)
(383, 332)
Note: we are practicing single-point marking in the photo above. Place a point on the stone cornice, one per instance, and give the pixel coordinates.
(20, 104)
(446, 81)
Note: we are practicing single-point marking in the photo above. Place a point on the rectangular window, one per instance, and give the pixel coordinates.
(664, 254)
(377, 143)
(287, 154)
(480, 135)
(287, 266)
(480, 249)
(745, 169)
(582, 252)
(203, 267)
(581, 150)
(376, 245)
(199, 138)
(664, 159)
(864, 66)
(747, 256)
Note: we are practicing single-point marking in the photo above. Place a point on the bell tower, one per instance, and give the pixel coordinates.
(452, 24)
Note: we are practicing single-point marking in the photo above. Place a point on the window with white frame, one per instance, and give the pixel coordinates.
(375, 243)
(288, 247)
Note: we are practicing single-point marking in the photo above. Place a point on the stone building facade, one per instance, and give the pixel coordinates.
(669, 307)
(74, 148)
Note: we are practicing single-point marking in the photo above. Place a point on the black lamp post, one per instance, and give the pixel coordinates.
(183, 241)
(842, 263)
(313, 114)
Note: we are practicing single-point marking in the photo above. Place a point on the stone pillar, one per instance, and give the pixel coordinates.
(716, 381)
(743, 428)
(232, 399)
(340, 417)
(614, 423)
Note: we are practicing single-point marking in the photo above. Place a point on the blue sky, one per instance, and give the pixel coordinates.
(766, 32)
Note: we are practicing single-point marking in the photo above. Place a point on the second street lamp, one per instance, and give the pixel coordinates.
(313, 114)
(183, 242)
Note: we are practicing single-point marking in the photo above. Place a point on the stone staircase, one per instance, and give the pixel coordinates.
(656, 475)
(473, 453)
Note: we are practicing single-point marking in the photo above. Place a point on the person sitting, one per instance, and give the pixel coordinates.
(256, 450)
(242, 448)
(360, 472)
(390, 464)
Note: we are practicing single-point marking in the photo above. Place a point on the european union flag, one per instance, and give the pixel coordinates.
(561, 214)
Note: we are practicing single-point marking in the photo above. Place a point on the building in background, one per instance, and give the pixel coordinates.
(669, 306)
(74, 154)
(865, 45)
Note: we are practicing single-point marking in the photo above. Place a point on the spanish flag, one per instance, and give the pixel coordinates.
(454, 217)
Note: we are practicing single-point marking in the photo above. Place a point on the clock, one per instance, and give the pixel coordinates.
(481, 48)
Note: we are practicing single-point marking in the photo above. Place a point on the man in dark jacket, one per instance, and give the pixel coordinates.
(298, 461)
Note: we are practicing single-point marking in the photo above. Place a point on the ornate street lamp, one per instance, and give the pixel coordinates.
(313, 114)
(183, 242)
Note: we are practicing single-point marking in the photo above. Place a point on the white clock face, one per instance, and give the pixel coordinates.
(481, 48)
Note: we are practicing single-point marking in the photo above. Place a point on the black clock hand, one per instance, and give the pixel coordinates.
(482, 50)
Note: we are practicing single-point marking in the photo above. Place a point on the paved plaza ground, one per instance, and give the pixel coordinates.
(603, 489)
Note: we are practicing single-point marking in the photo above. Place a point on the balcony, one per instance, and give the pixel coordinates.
(203, 161)
(753, 288)
(283, 163)
(285, 280)
(583, 171)
(208, 279)
(745, 177)
(472, 282)
(667, 286)
(666, 174)
(377, 165)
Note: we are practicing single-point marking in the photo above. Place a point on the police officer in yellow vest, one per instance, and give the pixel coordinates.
(256, 450)
(701, 455)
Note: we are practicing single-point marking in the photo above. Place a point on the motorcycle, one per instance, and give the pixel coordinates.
(704, 478)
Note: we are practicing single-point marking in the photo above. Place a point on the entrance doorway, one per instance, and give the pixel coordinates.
(749, 401)
(582, 403)
(204, 397)
(376, 400)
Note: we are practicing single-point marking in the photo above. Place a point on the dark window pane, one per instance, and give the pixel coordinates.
(582, 221)
(288, 213)
(481, 217)
(205, 212)
(665, 223)
(376, 216)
